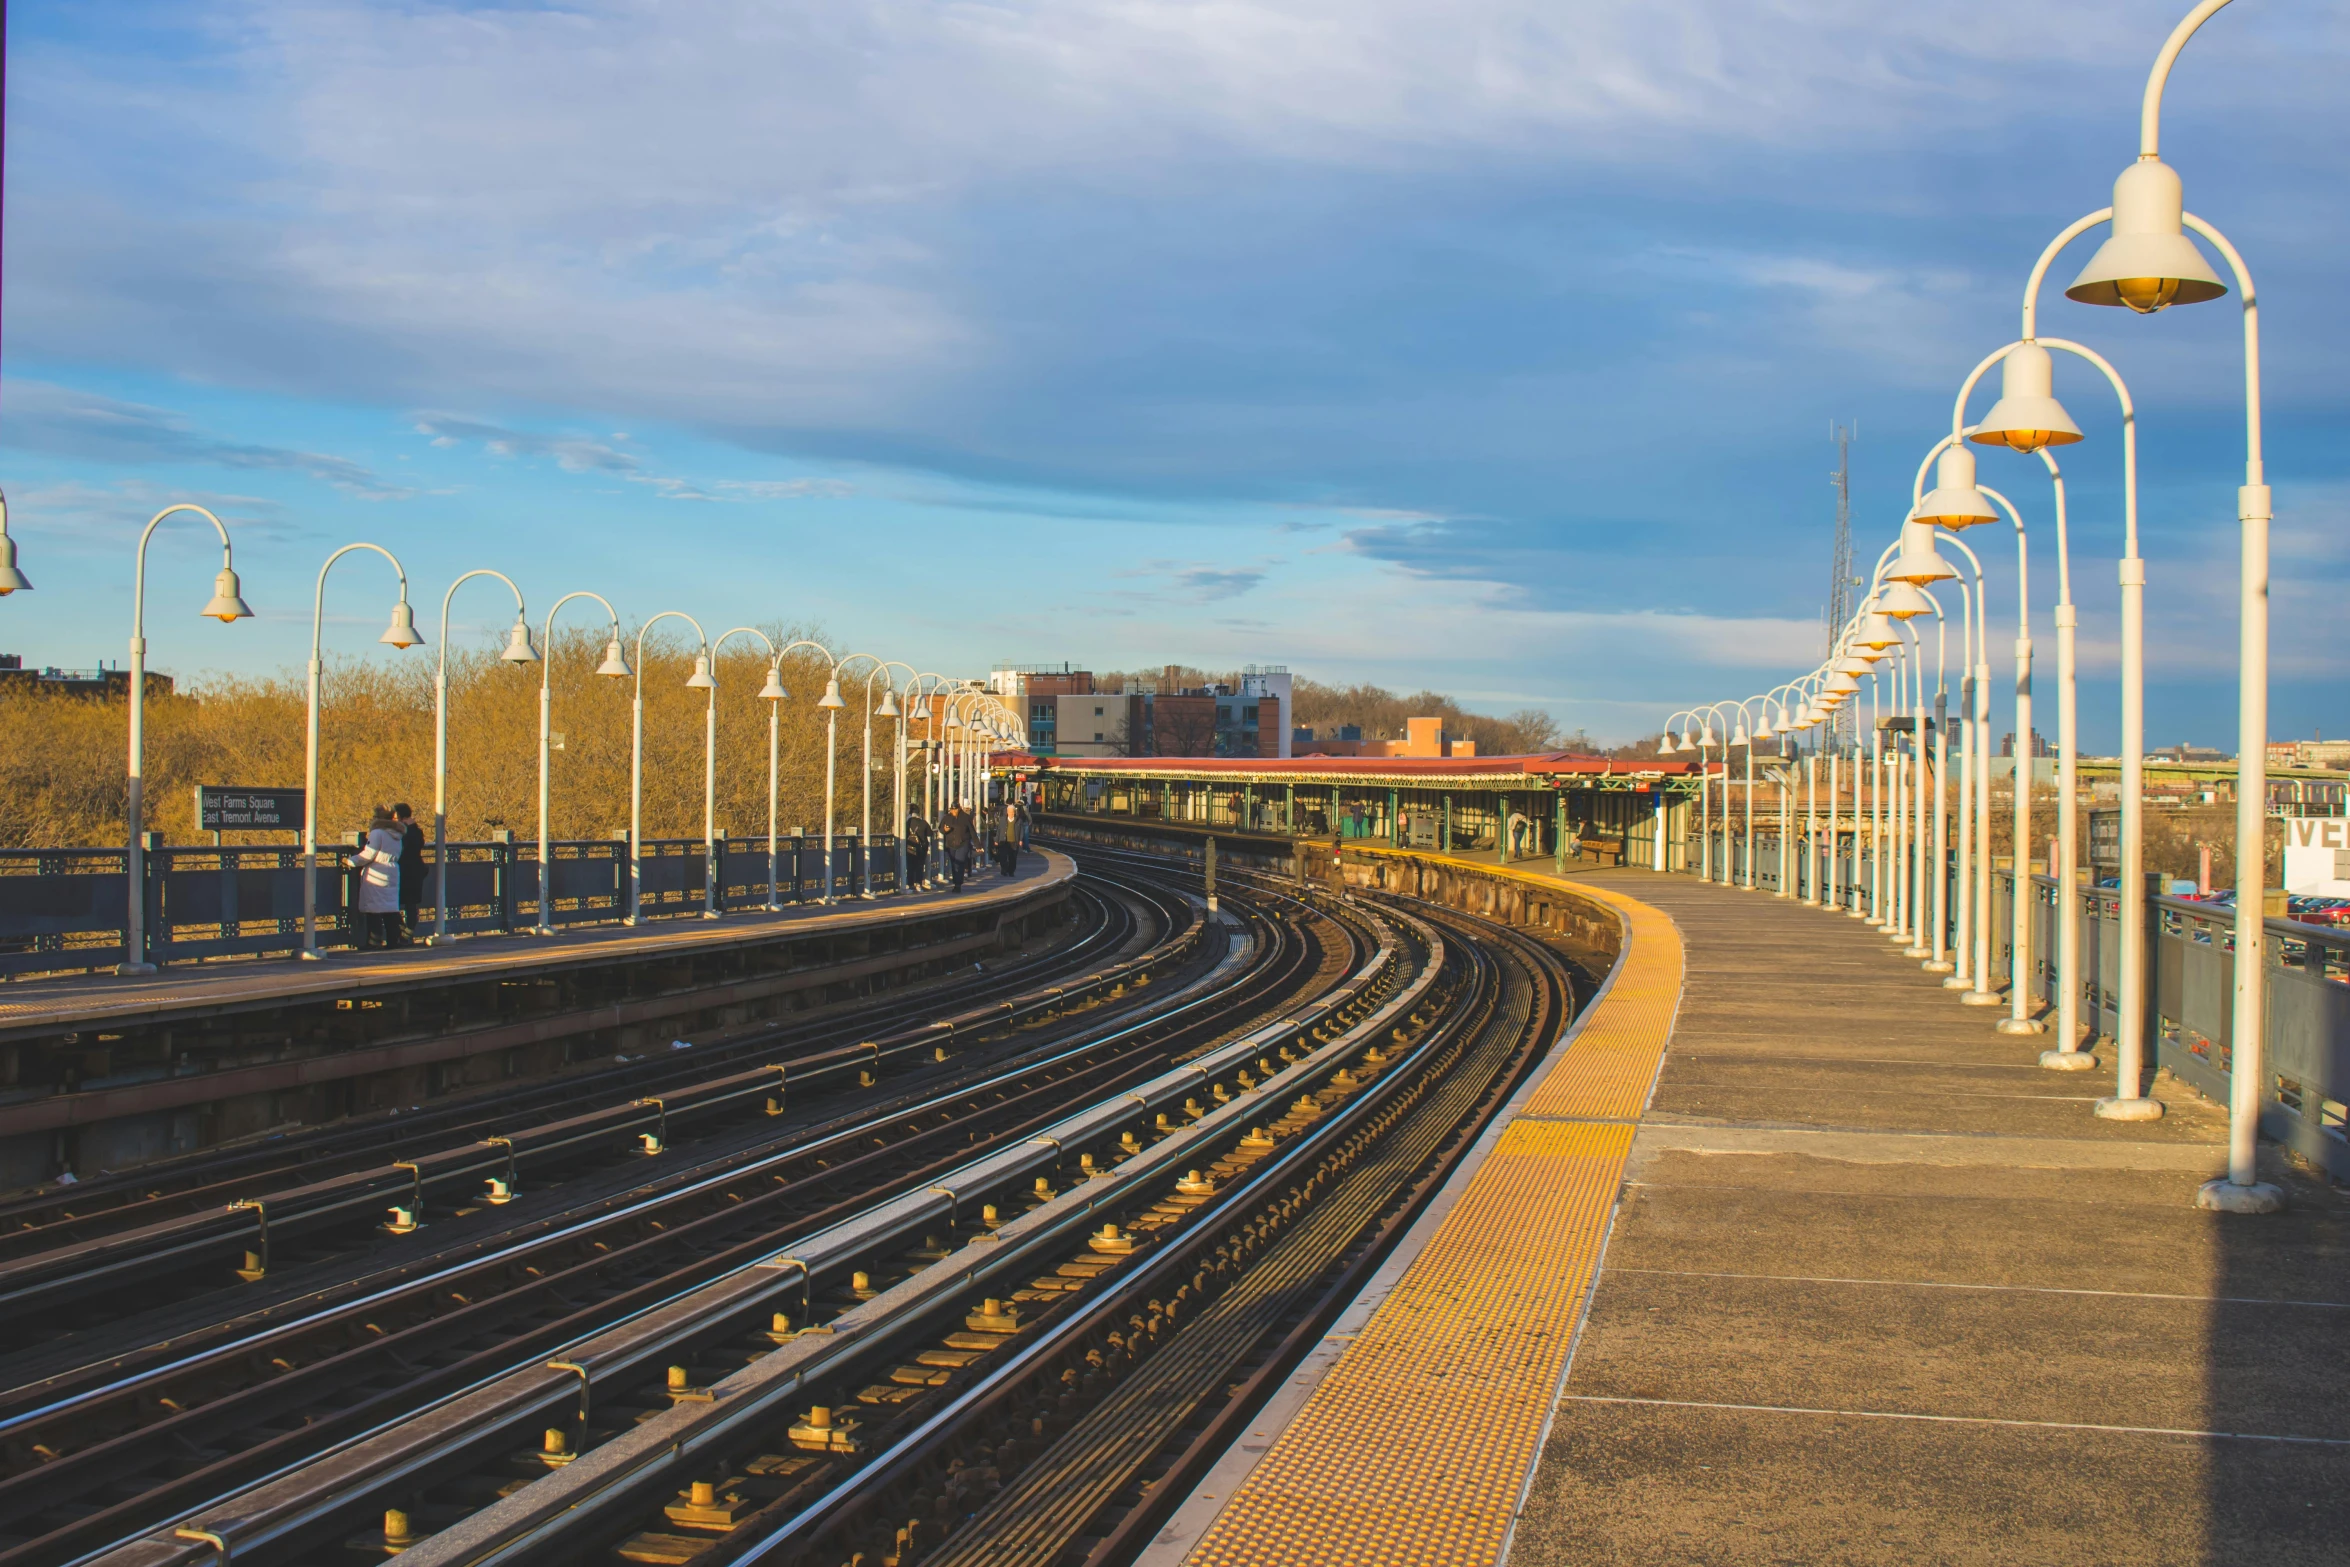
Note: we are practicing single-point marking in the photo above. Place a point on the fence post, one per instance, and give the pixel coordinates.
(151, 884)
(502, 873)
(714, 875)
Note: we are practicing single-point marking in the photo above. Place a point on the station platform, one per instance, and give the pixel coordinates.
(95, 1000)
(1856, 1282)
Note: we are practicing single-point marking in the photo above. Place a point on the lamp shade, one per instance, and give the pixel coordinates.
(615, 664)
(831, 698)
(889, 703)
(700, 679)
(1842, 684)
(402, 631)
(1762, 728)
(228, 597)
(1855, 664)
(1954, 502)
(2148, 263)
(1902, 601)
(2027, 415)
(10, 578)
(518, 648)
(1740, 736)
(773, 690)
(1918, 561)
(1876, 631)
(1665, 747)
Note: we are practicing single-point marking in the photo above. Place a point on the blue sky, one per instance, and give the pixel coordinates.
(1490, 345)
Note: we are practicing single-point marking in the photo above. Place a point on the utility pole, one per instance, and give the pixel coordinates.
(1841, 581)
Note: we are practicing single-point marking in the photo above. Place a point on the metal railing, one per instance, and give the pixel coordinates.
(2191, 978)
(64, 910)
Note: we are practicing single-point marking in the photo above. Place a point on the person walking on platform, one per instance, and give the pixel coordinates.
(955, 836)
(1021, 816)
(378, 914)
(411, 869)
(1007, 842)
(917, 848)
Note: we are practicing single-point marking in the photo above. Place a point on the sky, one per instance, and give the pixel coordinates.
(1489, 346)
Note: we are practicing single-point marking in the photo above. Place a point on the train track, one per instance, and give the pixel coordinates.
(53, 1217)
(93, 1463)
(1022, 1353)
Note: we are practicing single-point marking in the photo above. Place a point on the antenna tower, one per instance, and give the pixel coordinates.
(1840, 578)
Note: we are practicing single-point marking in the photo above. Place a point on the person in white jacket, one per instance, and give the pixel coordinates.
(379, 884)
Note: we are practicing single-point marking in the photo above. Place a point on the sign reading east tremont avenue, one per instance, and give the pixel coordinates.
(221, 808)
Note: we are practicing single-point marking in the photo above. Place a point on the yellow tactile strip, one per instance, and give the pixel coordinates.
(1414, 1447)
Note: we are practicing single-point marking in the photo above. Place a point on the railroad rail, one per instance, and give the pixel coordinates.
(1012, 1355)
(137, 1449)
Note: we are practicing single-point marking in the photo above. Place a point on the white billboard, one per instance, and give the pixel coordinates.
(2317, 856)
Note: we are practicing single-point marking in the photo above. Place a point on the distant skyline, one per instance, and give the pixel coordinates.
(1489, 347)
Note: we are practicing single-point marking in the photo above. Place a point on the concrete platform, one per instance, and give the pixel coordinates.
(1876, 1289)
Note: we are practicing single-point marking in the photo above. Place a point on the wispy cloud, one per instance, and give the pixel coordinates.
(62, 421)
(1198, 582)
(589, 455)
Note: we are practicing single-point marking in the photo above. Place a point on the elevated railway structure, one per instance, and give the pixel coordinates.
(1429, 1207)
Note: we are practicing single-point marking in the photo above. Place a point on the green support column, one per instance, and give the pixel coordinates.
(1289, 809)
(1335, 830)
(1248, 807)
(1446, 843)
(1558, 833)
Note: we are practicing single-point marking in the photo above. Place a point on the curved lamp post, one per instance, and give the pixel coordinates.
(614, 667)
(227, 604)
(400, 634)
(699, 680)
(773, 694)
(517, 651)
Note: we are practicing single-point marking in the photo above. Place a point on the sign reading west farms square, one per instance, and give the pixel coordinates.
(220, 808)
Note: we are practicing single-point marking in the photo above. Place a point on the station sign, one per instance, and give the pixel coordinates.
(222, 808)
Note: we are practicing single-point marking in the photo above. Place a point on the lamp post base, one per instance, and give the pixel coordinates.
(1982, 998)
(311, 955)
(133, 970)
(2067, 1061)
(2021, 1025)
(1915, 951)
(1939, 966)
(1959, 982)
(542, 930)
(2228, 1197)
(2139, 1109)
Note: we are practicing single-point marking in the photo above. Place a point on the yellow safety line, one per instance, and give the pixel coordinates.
(1416, 1444)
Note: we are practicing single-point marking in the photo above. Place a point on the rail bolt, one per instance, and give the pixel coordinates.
(1110, 1243)
(555, 1448)
(861, 1285)
(648, 1144)
(397, 1535)
(501, 1191)
(1127, 1141)
(993, 1317)
(403, 1222)
(987, 1216)
(1196, 1185)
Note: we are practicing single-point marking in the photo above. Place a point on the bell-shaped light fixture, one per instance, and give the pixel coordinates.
(1954, 502)
(1740, 736)
(1918, 561)
(831, 698)
(10, 578)
(1842, 683)
(2149, 262)
(615, 664)
(889, 703)
(1706, 736)
(1876, 631)
(228, 595)
(1665, 746)
(2027, 415)
(518, 648)
(700, 679)
(1902, 601)
(1762, 728)
(1858, 663)
(773, 690)
(402, 631)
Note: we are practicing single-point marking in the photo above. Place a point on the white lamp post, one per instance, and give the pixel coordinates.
(227, 604)
(614, 667)
(773, 694)
(699, 680)
(517, 651)
(400, 634)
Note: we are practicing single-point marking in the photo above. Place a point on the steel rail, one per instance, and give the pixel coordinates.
(1188, 1005)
